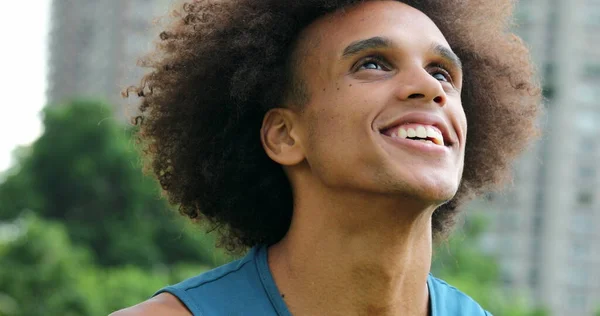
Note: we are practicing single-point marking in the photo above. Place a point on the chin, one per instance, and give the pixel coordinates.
(434, 191)
(440, 196)
(436, 184)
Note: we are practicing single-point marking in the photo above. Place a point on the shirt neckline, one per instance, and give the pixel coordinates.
(268, 282)
(262, 266)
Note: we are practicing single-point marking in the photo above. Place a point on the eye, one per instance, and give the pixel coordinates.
(372, 63)
(441, 74)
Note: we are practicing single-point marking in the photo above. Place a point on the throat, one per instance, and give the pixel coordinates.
(353, 275)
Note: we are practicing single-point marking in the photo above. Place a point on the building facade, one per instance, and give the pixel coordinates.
(94, 47)
(546, 225)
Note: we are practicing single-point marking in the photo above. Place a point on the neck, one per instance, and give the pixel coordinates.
(347, 254)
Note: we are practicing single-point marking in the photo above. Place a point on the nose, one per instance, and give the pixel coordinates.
(418, 83)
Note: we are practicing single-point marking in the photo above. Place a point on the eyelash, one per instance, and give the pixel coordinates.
(437, 68)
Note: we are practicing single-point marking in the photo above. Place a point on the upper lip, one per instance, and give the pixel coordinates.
(423, 119)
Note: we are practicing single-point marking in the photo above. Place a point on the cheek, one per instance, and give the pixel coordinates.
(337, 130)
(464, 128)
(339, 113)
(462, 118)
(460, 121)
(330, 133)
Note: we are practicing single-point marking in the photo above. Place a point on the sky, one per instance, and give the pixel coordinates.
(23, 82)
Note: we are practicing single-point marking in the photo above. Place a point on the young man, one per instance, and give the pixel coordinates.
(331, 137)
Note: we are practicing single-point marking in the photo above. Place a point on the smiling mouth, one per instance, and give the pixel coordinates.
(417, 132)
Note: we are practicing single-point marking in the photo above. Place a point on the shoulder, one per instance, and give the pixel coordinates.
(162, 304)
(209, 293)
(448, 300)
(208, 283)
(201, 294)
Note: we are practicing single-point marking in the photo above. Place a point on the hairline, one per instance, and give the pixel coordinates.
(297, 92)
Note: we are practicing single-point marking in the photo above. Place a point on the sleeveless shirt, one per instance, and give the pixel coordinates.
(246, 287)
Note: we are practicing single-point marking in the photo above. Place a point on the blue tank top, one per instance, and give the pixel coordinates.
(246, 287)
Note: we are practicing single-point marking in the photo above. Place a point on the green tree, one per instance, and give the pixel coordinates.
(460, 262)
(82, 231)
(40, 269)
(85, 172)
(44, 273)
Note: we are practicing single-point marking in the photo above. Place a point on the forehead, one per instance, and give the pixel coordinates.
(392, 19)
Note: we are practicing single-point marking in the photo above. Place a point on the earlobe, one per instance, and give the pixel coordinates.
(279, 137)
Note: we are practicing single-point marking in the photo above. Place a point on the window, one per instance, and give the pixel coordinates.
(587, 92)
(534, 276)
(588, 144)
(579, 250)
(585, 198)
(537, 223)
(587, 173)
(576, 300)
(581, 223)
(587, 121)
(592, 16)
(591, 70)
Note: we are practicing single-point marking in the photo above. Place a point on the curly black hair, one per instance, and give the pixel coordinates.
(220, 65)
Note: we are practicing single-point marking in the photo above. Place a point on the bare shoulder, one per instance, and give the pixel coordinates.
(162, 304)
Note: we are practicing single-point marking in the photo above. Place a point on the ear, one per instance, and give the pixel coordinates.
(281, 138)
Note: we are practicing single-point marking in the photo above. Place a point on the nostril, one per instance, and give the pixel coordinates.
(438, 100)
(416, 96)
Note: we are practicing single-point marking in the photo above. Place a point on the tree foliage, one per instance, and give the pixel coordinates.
(82, 230)
(85, 172)
(44, 273)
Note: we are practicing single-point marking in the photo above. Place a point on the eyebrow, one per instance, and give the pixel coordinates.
(447, 54)
(366, 44)
(382, 42)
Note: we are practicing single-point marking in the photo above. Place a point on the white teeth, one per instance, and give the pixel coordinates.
(421, 132)
(432, 133)
(402, 133)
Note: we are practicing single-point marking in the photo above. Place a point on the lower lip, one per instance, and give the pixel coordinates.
(417, 145)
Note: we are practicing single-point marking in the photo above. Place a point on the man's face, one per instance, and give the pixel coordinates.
(385, 114)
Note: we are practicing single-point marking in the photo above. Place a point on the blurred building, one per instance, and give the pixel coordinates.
(94, 46)
(546, 226)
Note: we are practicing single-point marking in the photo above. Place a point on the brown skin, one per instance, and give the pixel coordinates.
(361, 235)
(360, 240)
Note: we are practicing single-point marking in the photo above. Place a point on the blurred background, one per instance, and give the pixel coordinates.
(83, 232)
